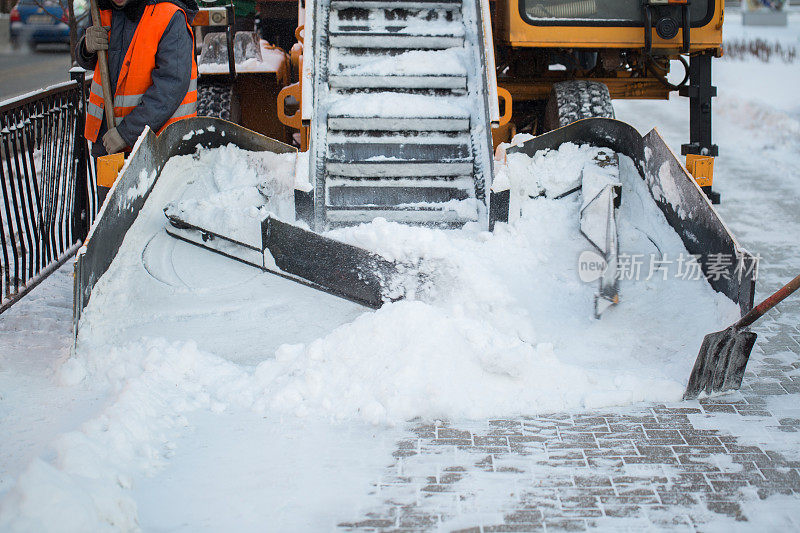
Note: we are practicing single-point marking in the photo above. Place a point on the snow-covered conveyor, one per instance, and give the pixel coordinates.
(400, 125)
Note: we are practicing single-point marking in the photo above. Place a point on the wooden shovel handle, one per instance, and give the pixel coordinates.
(758, 311)
(102, 64)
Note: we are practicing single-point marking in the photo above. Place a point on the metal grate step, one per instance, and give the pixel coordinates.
(393, 195)
(391, 138)
(396, 82)
(394, 40)
(428, 215)
(355, 150)
(398, 124)
(404, 4)
(400, 168)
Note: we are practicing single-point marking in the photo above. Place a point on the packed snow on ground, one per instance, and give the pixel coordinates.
(504, 327)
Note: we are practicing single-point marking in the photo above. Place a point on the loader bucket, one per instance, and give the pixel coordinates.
(690, 213)
(684, 205)
(286, 250)
(130, 192)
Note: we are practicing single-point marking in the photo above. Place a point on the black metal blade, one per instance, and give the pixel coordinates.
(721, 362)
(347, 270)
(308, 258)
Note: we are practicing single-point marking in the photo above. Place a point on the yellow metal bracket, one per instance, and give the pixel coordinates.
(701, 167)
(507, 107)
(108, 167)
(293, 121)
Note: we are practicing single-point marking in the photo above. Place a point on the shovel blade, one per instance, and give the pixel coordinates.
(721, 362)
(348, 271)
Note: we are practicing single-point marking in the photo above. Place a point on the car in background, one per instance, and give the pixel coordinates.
(45, 21)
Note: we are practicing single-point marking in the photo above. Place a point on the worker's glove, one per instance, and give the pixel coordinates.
(113, 142)
(96, 38)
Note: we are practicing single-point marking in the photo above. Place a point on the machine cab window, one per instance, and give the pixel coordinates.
(606, 12)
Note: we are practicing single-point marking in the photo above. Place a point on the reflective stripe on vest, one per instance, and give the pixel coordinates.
(135, 76)
(132, 100)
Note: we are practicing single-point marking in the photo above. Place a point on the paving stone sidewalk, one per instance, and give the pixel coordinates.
(650, 467)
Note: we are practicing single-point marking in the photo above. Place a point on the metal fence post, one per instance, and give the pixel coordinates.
(80, 212)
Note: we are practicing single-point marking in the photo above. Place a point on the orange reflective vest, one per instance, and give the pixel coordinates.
(137, 68)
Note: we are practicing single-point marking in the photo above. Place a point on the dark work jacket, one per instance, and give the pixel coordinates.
(170, 77)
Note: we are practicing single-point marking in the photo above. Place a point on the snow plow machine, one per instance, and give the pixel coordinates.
(403, 110)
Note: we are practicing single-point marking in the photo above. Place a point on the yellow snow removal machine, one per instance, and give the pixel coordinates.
(400, 105)
(563, 60)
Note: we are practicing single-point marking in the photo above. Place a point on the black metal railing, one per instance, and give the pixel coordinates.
(48, 197)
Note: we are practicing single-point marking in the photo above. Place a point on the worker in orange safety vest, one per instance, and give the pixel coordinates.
(152, 69)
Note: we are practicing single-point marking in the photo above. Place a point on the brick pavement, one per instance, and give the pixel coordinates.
(683, 466)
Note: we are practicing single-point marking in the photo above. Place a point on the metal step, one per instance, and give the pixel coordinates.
(392, 195)
(450, 182)
(410, 25)
(398, 124)
(400, 168)
(398, 27)
(409, 149)
(395, 19)
(340, 81)
(397, 62)
(404, 4)
(393, 138)
(394, 40)
(410, 215)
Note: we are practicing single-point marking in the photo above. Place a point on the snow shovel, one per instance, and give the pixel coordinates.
(723, 355)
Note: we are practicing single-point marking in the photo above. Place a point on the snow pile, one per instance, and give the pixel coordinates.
(502, 326)
(234, 190)
(411, 358)
(507, 327)
(151, 384)
(548, 175)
